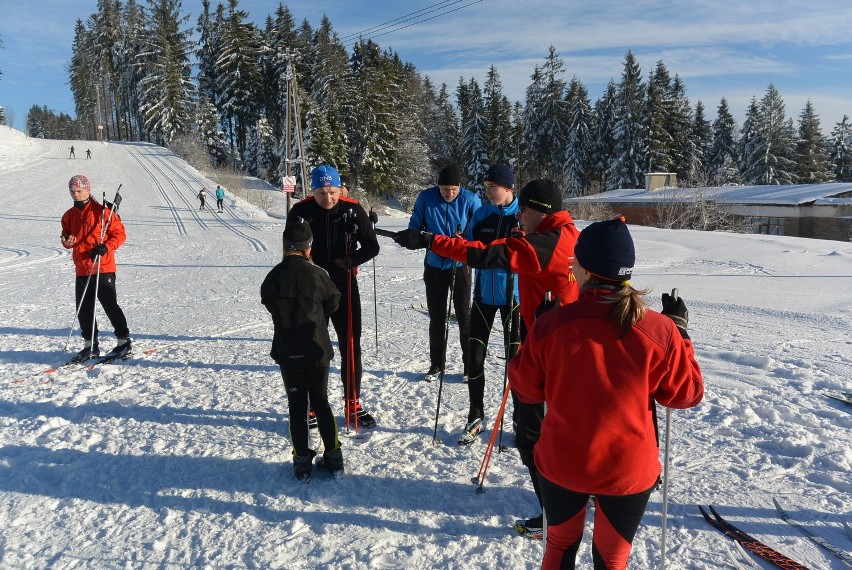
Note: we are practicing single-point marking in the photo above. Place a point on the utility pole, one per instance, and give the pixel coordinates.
(292, 113)
(100, 124)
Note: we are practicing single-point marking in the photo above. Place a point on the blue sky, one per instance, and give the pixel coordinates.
(719, 48)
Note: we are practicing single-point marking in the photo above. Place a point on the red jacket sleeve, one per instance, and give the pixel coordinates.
(513, 253)
(683, 385)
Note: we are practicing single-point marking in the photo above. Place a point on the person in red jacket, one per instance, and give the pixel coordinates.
(541, 256)
(599, 364)
(93, 244)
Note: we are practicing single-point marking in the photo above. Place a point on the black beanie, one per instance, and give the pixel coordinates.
(501, 175)
(606, 250)
(542, 196)
(297, 234)
(449, 176)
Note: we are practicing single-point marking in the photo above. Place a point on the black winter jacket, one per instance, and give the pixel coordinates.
(330, 229)
(300, 296)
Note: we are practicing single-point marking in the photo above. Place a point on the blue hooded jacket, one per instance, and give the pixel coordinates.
(489, 223)
(435, 215)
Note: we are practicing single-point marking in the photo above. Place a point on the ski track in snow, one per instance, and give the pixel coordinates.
(180, 457)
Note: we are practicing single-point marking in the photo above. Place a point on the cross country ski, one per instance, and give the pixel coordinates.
(834, 550)
(749, 542)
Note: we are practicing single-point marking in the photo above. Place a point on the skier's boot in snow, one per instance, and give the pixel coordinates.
(302, 466)
(89, 351)
(533, 528)
(332, 462)
(471, 432)
(432, 375)
(124, 349)
(363, 417)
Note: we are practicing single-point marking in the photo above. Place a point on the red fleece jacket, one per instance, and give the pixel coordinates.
(598, 433)
(85, 224)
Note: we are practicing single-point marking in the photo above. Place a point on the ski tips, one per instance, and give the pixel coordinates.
(675, 294)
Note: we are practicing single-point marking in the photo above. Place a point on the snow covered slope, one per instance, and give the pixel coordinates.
(180, 458)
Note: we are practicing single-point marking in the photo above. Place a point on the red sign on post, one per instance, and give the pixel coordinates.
(288, 184)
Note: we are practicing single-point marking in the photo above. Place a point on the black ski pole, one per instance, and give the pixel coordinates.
(375, 297)
(446, 342)
(386, 233)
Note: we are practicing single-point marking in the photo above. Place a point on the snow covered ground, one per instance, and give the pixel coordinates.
(180, 458)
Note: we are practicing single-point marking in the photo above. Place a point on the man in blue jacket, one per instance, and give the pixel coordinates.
(445, 209)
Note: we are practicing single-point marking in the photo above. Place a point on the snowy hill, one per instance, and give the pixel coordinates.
(180, 458)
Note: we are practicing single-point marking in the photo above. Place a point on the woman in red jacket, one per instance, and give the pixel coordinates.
(599, 364)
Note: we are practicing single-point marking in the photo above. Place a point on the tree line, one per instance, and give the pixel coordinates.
(387, 126)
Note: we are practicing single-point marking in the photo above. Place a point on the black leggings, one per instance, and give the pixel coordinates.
(109, 301)
(308, 388)
(616, 521)
(481, 321)
(438, 282)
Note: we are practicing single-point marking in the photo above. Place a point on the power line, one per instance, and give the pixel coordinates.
(404, 18)
(352, 42)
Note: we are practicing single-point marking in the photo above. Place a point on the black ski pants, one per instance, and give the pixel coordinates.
(105, 284)
(438, 283)
(340, 320)
(308, 388)
(616, 521)
(481, 321)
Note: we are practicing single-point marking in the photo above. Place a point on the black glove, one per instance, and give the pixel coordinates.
(546, 306)
(344, 263)
(99, 249)
(675, 309)
(413, 239)
(374, 217)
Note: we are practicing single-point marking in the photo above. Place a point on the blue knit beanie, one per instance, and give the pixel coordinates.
(323, 176)
(501, 175)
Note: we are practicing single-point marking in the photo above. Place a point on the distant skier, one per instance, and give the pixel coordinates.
(220, 199)
(202, 196)
(300, 296)
(88, 154)
(71, 154)
(81, 232)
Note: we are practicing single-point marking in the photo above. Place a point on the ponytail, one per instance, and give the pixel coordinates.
(628, 303)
